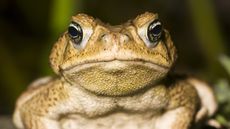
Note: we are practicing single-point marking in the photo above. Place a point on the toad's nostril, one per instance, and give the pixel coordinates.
(105, 38)
(124, 38)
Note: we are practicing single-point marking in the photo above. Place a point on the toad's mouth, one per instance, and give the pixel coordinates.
(115, 64)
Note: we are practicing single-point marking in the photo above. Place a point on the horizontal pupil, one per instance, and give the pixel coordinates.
(73, 31)
(156, 30)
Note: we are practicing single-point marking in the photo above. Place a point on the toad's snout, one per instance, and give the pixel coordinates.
(115, 38)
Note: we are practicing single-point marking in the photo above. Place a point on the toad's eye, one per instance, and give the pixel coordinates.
(154, 31)
(75, 32)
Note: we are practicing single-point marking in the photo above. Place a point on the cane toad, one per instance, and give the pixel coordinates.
(114, 77)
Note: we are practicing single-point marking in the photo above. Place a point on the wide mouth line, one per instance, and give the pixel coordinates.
(111, 60)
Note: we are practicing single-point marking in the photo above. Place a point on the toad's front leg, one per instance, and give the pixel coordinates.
(42, 107)
(179, 118)
(33, 121)
(182, 108)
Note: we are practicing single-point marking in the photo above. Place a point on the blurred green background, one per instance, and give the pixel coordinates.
(200, 29)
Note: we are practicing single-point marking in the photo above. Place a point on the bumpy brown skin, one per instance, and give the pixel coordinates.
(115, 78)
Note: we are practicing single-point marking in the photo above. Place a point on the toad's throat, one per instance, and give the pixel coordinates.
(115, 78)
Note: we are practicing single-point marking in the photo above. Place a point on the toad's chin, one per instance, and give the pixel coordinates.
(115, 78)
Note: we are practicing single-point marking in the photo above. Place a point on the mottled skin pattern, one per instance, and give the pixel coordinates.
(113, 79)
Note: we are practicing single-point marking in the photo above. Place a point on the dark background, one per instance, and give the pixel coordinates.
(199, 28)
